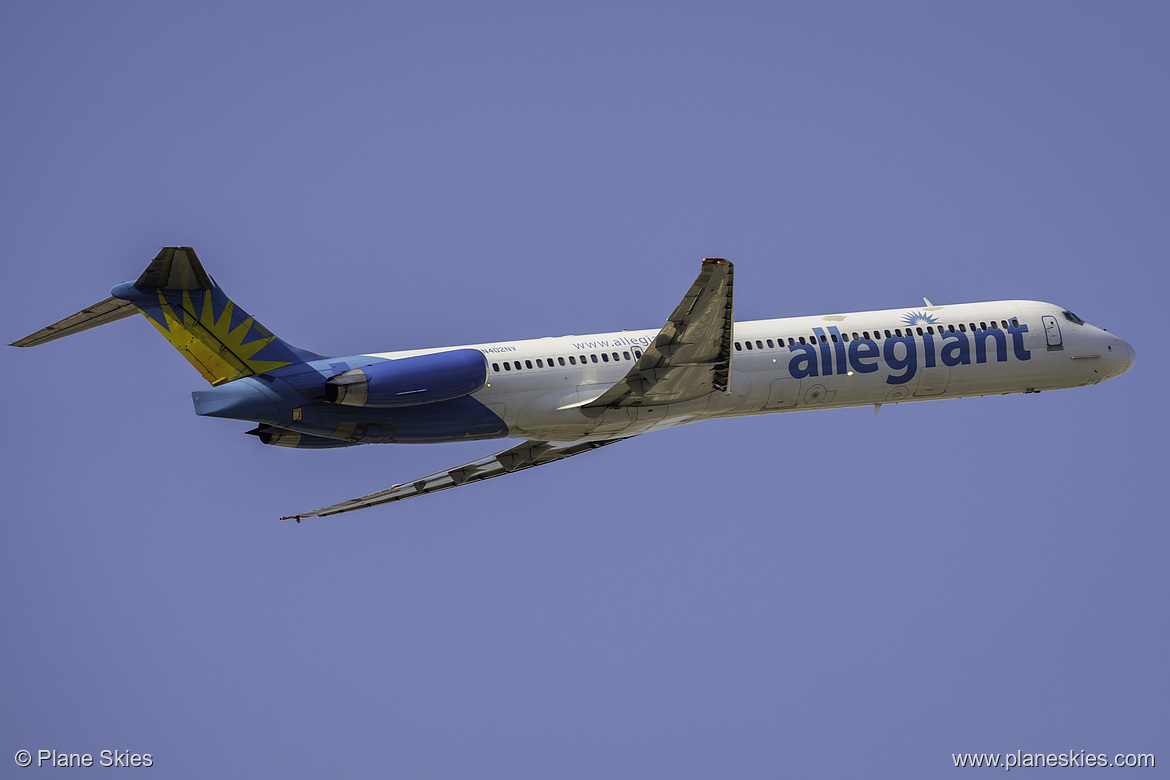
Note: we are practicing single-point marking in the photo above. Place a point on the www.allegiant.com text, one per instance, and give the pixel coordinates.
(1020, 759)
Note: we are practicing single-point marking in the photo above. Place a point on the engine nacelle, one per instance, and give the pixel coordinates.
(280, 437)
(411, 381)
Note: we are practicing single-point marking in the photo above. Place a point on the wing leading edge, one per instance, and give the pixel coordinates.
(523, 456)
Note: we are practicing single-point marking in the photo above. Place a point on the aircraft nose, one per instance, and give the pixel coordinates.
(1121, 358)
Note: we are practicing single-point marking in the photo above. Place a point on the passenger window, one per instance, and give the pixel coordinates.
(888, 334)
(495, 366)
(962, 328)
(528, 364)
(759, 344)
(517, 364)
(865, 334)
(791, 342)
(919, 331)
(898, 332)
(637, 354)
(834, 337)
(507, 366)
(594, 358)
(769, 343)
(1015, 322)
(824, 339)
(802, 339)
(748, 344)
(604, 357)
(738, 348)
(561, 361)
(539, 363)
(625, 355)
(572, 360)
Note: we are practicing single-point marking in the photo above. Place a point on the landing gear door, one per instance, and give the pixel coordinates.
(1052, 332)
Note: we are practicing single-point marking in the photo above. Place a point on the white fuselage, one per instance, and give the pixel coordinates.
(538, 386)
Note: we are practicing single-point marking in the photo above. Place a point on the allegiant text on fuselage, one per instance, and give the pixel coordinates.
(833, 354)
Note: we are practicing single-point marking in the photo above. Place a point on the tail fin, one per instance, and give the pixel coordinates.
(191, 311)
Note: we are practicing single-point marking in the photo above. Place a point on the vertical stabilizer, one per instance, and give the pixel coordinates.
(190, 310)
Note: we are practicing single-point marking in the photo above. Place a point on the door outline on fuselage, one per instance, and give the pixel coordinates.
(1052, 333)
(932, 381)
(783, 393)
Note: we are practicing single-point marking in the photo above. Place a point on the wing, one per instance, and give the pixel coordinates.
(523, 456)
(691, 356)
(109, 310)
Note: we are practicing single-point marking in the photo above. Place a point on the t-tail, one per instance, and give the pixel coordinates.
(190, 310)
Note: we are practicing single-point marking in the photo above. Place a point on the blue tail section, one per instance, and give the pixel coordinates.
(218, 337)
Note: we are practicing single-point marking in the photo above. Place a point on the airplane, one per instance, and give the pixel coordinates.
(572, 394)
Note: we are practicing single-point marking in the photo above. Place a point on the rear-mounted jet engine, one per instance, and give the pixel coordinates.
(411, 381)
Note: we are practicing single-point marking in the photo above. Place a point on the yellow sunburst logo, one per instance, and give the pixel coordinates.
(216, 349)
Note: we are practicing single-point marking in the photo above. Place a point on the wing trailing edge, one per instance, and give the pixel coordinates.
(523, 456)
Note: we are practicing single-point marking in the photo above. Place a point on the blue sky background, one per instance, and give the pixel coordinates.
(807, 594)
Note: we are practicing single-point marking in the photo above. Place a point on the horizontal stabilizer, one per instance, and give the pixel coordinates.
(109, 310)
(175, 268)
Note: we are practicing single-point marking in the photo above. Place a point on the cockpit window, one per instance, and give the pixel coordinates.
(1068, 315)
